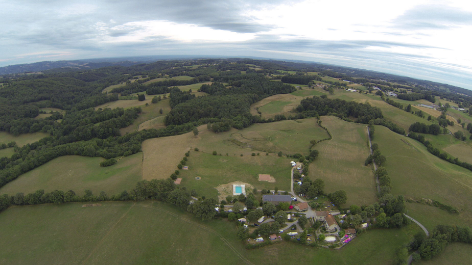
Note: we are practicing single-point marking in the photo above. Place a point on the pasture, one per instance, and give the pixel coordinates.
(456, 253)
(340, 163)
(193, 87)
(79, 173)
(416, 173)
(22, 139)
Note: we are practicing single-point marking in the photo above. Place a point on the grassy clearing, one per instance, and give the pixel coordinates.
(341, 162)
(114, 233)
(8, 152)
(125, 104)
(308, 92)
(79, 173)
(414, 172)
(42, 116)
(430, 216)
(21, 139)
(461, 150)
(149, 118)
(398, 116)
(277, 104)
(193, 87)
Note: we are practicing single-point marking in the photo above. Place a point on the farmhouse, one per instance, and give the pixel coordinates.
(331, 224)
(321, 215)
(273, 237)
(303, 206)
(276, 199)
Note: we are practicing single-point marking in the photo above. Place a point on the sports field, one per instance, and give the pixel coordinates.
(22, 139)
(79, 173)
(341, 161)
(415, 173)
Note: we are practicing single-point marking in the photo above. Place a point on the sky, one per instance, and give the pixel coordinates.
(417, 38)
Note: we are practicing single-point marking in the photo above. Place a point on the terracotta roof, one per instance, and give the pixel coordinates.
(273, 236)
(302, 206)
(177, 181)
(350, 231)
(322, 213)
(264, 177)
(330, 220)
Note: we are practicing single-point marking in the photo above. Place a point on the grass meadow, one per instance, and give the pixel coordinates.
(340, 163)
(416, 173)
(8, 152)
(22, 139)
(156, 233)
(150, 117)
(79, 173)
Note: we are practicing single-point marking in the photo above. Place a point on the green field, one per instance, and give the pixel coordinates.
(156, 233)
(274, 107)
(308, 92)
(415, 173)
(8, 152)
(148, 113)
(341, 162)
(79, 173)
(22, 139)
(193, 87)
(456, 253)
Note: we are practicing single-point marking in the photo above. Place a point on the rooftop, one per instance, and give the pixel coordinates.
(330, 220)
(177, 181)
(276, 198)
(321, 213)
(303, 206)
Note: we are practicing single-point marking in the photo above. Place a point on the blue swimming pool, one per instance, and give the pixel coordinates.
(238, 189)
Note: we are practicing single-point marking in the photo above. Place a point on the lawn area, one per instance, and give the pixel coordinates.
(416, 173)
(7, 152)
(114, 233)
(22, 139)
(341, 162)
(79, 173)
(216, 170)
(149, 117)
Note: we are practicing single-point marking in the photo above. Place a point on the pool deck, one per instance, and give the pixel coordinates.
(243, 189)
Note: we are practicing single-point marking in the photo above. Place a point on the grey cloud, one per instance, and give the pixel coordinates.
(433, 17)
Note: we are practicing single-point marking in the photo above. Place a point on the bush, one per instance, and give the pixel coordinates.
(108, 162)
(196, 149)
(215, 153)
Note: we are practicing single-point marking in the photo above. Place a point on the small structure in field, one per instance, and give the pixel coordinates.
(273, 237)
(177, 181)
(185, 167)
(303, 206)
(259, 239)
(242, 220)
(266, 177)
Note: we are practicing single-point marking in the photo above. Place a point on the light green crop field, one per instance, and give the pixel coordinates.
(22, 139)
(149, 113)
(8, 152)
(416, 173)
(79, 173)
(341, 162)
(156, 233)
(308, 92)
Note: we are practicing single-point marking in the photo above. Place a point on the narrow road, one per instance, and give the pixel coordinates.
(420, 225)
(373, 162)
(291, 183)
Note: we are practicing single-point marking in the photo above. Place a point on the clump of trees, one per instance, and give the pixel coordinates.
(108, 162)
(423, 128)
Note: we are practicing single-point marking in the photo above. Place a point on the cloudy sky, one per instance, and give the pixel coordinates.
(423, 39)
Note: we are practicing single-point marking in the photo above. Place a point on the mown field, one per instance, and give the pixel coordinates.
(456, 253)
(150, 118)
(415, 173)
(156, 233)
(23, 139)
(341, 161)
(277, 104)
(79, 173)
